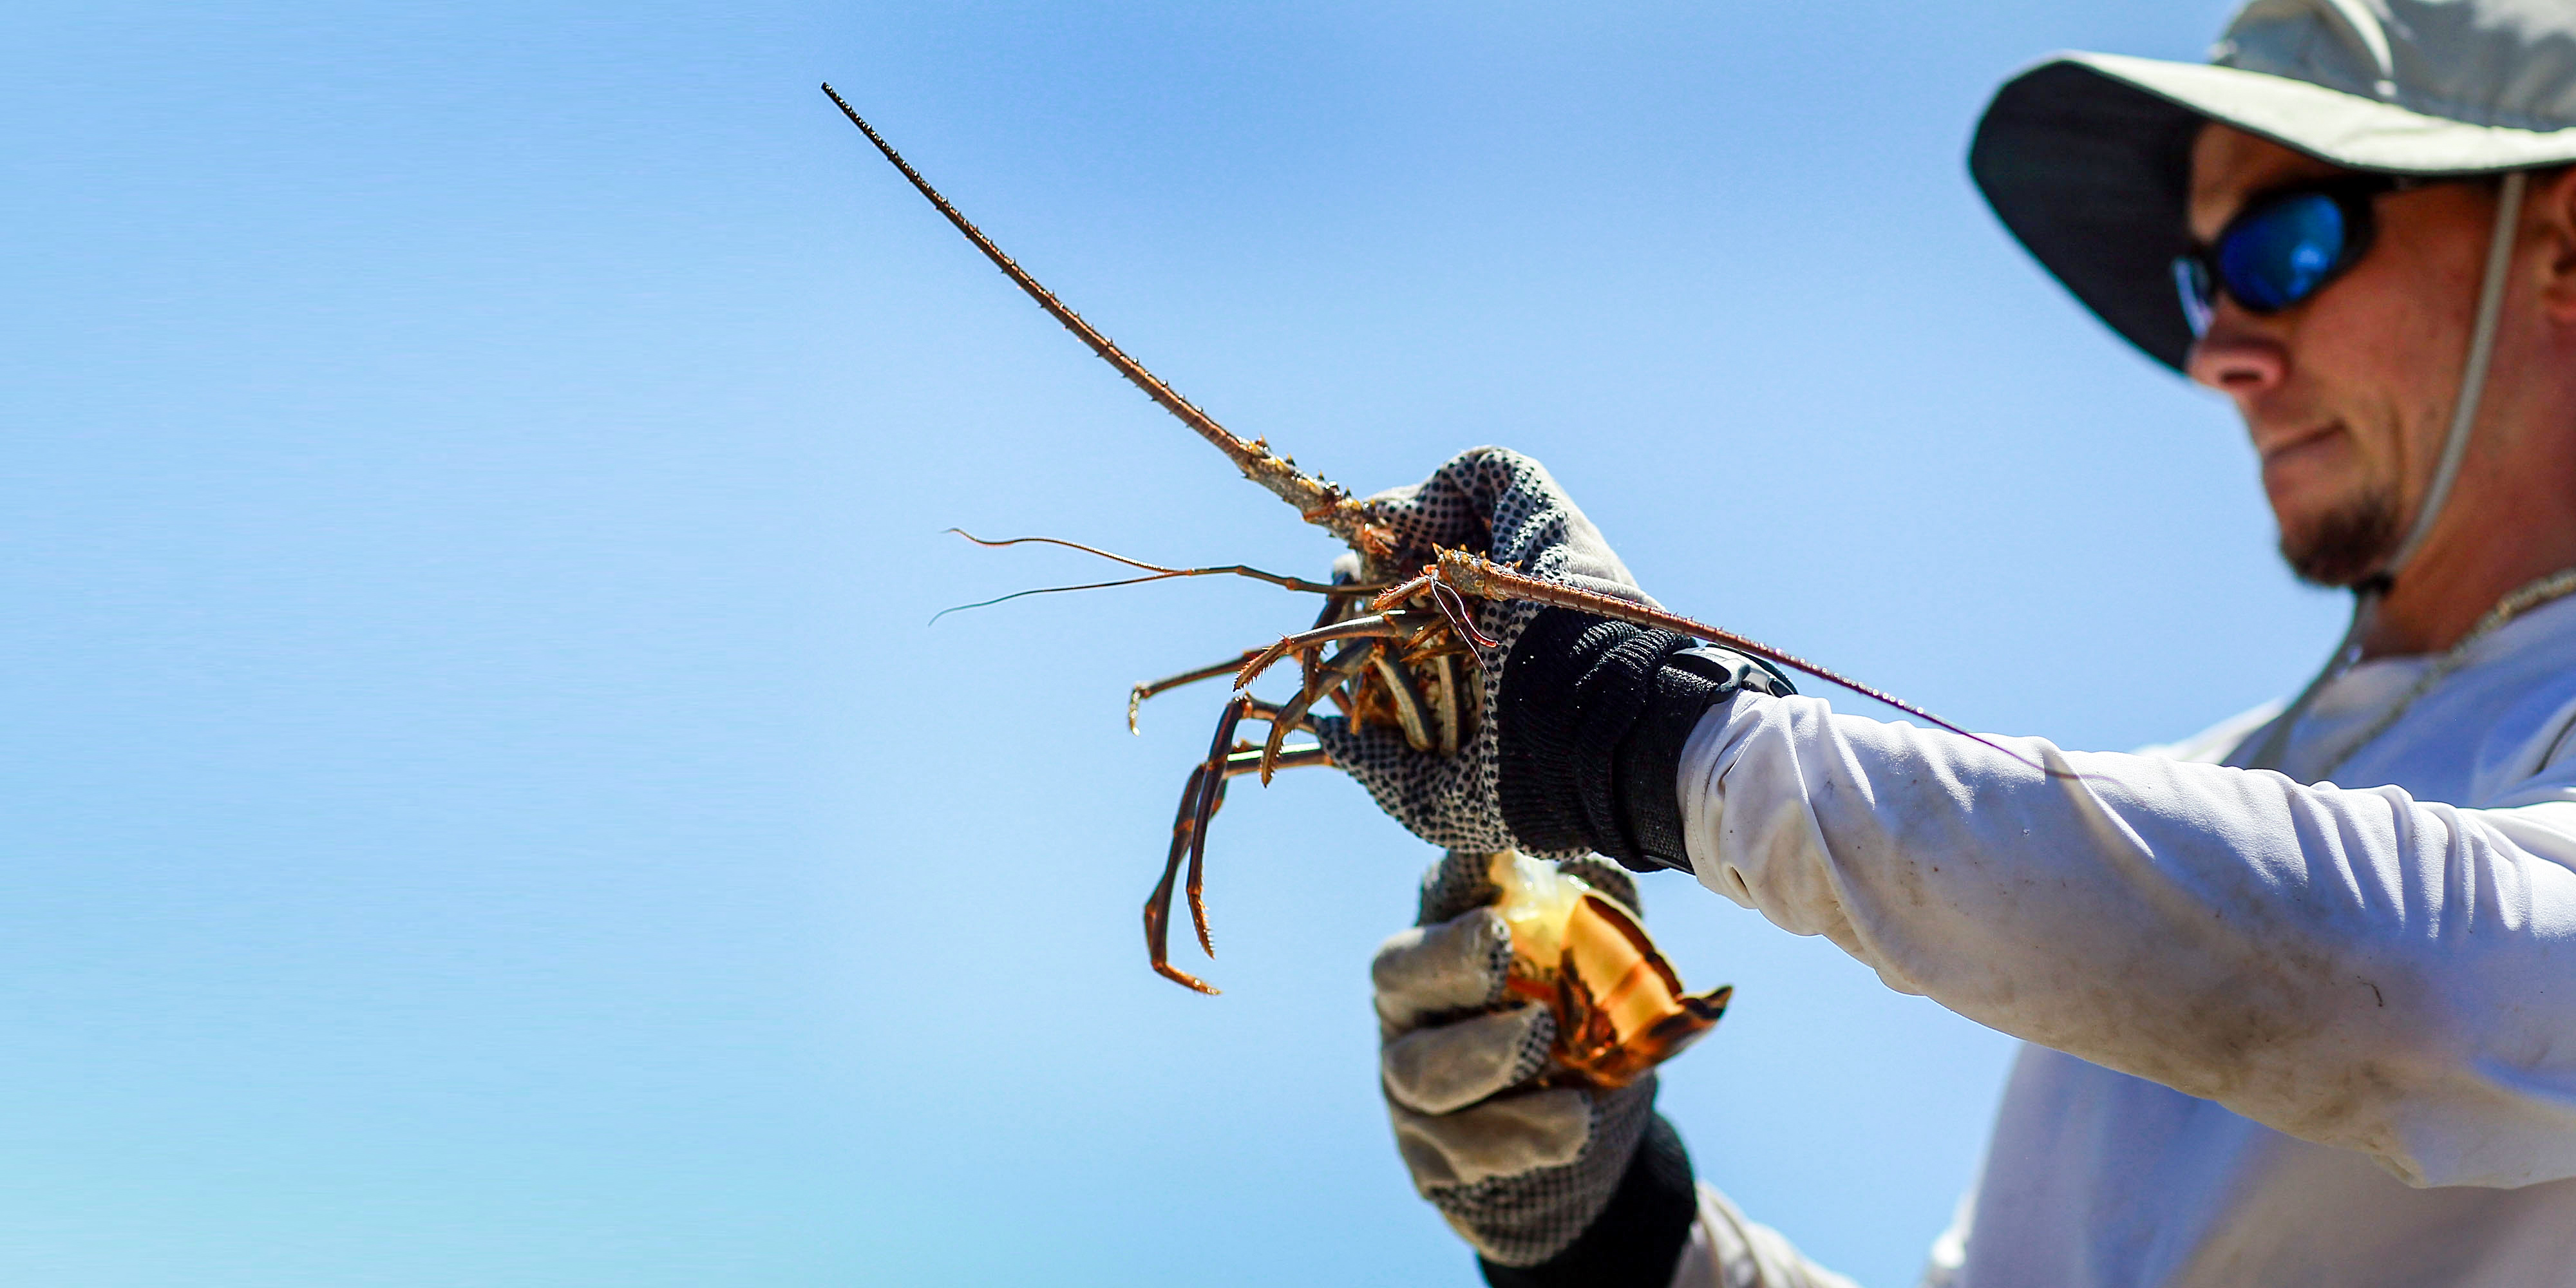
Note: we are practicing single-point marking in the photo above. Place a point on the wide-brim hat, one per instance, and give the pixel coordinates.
(2087, 157)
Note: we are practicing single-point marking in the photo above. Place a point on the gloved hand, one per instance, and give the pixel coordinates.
(1553, 1179)
(1501, 504)
(1579, 741)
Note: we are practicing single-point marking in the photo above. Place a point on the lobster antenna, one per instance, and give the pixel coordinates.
(1327, 504)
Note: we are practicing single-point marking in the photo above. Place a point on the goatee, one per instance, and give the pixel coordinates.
(2345, 546)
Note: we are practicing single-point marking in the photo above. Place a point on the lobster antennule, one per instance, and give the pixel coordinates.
(1328, 505)
(1465, 572)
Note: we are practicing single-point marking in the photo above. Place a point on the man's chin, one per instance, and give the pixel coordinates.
(2345, 546)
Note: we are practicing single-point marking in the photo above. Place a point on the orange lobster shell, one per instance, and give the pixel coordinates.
(1620, 1006)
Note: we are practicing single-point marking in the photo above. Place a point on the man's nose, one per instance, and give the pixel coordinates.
(2237, 364)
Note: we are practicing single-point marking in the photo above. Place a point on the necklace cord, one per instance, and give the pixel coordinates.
(2516, 602)
(2276, 735)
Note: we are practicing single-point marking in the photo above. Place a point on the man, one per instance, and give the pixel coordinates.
(2304, 1016)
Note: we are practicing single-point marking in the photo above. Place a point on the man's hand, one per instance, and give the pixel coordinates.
(1503, 505)
(1582, 722)
(1520, 1173)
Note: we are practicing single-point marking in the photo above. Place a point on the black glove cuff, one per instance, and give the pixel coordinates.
(1534, 733)
(1638, 1239)
(1649, 761)
(1592, 718)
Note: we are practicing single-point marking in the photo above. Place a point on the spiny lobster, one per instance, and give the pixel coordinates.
(1399, 635)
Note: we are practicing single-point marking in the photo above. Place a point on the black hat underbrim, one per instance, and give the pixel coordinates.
(2093, 175)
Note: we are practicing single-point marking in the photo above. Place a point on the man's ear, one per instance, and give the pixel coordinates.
(2553, 209)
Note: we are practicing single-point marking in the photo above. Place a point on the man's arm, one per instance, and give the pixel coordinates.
(2353, 967)
(1728, 1251)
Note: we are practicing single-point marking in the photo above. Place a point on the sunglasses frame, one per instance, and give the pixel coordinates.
(2198, 278)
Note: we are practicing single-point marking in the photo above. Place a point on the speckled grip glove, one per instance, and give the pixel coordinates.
(1504, 505)
(1519, 1173)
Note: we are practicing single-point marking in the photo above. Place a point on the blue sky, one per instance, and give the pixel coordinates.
(485, 806)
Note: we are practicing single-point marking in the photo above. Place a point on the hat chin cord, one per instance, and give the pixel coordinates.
(2455, 448)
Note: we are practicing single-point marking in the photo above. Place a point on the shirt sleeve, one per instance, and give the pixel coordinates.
(1728, 1251)
(2353, 967)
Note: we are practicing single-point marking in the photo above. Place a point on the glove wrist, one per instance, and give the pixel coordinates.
(1637, 1239)
(1593, 717)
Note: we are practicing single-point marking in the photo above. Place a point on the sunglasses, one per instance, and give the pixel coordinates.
(2284, 247)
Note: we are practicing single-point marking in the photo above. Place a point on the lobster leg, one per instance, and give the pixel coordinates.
(1245, 760)
(1405, 696)
(1445, 710)
(1211, 795)
(1336, 607)
(1158, 905)
(1345, 667)
(1199, 801)
(1393, 624)
(1136, 696)
(1200, 798)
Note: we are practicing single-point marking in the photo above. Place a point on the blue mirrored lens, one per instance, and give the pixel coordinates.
(2284, 253)
(2191, 282)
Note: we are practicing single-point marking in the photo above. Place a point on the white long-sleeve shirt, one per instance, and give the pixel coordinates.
(2281, 1034)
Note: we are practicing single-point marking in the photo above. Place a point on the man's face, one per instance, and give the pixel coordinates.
(2347, 396)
